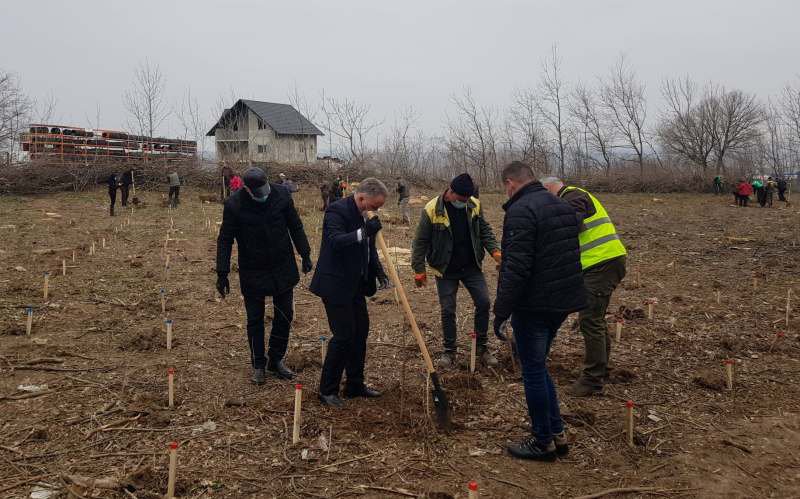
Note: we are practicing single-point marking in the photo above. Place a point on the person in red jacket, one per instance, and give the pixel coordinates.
(743, 192)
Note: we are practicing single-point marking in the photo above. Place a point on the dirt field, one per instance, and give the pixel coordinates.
(98, 344)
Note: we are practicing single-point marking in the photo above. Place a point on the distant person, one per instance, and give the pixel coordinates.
(769, 192)
(403, 195)
(125, 185)
(288, 184)
(336, 191)
(324, 192)
(718, 184)
(758, 190)
(263, 221)
(236, 183)
(113, 184)
(781, 184)
(743, 192)
(174, 189)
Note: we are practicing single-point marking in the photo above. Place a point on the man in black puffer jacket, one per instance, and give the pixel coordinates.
(262, 218)
(540, 283)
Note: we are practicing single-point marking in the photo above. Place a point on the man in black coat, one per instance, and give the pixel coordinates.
(125, 185)
(112, 183)
(540, 283)
(261, 217)
(347, 271)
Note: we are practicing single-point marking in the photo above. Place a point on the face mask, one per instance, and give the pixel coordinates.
(257, 199)
(459, 204)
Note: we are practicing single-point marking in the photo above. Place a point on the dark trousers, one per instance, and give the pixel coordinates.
(347, 349)
(112, 196)
(278, 337)
(174, 194)
(742, 200)
(447, 288)
(768, 197)
(124, 189)
(534, 334)
(600, 282)
(781, 194)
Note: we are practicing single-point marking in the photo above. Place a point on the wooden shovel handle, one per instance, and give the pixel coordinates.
(403, 299)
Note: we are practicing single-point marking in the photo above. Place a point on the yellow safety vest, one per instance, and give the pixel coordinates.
(598, 237)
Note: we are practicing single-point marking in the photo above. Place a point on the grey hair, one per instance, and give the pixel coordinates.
(551, 181)
(372, 187)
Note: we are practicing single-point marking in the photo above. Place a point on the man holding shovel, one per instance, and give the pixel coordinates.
(349, 270)
(263, 220)
(540, 283)
(452, 236)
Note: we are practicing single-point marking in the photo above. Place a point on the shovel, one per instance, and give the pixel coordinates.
(439, 396)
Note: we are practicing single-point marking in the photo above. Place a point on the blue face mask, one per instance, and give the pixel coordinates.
(459, 204)
(260, 200)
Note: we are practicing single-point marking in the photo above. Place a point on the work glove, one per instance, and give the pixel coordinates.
(497, 255)
(223, 285)
(420, 279)
(500, 327)
(372, 226)
(307, 264)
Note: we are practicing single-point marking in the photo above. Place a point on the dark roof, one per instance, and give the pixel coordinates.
(282, 118)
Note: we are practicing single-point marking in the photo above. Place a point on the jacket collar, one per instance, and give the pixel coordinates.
(351, 203)
(525, 189)
(442, 211)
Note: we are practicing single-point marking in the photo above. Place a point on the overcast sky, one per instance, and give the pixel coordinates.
(389, 54)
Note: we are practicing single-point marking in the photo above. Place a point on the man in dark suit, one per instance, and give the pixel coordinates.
(348, 270)
(262, 219)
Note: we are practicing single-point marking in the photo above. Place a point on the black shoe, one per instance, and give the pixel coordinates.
(332, 400)
(531, 449)
(258, 376)
(362, 391)
(562, 447)
(279, 370)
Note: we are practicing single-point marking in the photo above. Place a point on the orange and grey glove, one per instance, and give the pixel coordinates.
(420, 279)
(497, 255)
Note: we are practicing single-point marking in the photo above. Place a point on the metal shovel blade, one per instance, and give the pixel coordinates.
(440, 403)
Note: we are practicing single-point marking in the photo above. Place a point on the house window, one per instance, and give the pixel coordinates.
(261, 124)
(235, 125)
(262, 149)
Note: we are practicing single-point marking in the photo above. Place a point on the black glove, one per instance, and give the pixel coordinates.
(307, 264)
(372, 226)
(498, 327)
(223, 285)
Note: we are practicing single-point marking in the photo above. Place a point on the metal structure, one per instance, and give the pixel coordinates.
(69, 143)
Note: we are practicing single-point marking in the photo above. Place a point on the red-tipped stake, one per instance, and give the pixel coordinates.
(29, 320)
(618, 335)
(729, 373)
(472, 487)
(298, 400)
(629, 421)
(473, 351)
(168, 323)
(173, 468)
(171, 386)
(46, 285)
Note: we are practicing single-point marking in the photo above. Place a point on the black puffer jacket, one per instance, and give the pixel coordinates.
(265, 233)
(541, 266)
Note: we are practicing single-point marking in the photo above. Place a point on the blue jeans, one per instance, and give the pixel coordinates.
(534, 333)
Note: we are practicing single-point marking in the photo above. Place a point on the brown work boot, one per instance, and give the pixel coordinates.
(581, 389)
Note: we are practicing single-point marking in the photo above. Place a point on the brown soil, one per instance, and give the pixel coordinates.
(99, 346)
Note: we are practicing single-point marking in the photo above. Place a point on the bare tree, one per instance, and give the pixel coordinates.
(15, 109)
(623, 97)
(775, 143)
(192, 122)
(146, 101)
(525, 125)
(304, 107)
(790, 110)
(599, 135)
(472, 136)
(734, 120)
(686, 128)
(350, 121)
(552, 102)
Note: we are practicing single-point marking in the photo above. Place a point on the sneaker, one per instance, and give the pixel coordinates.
(488, 359)
(581, 389)
(446, 360)
(560, 441)
(258, 376)
(531, 449)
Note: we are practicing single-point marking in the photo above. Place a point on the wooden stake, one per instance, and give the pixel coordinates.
(788, 306)
(638, 278)
(103, 243)
(171, 386)
(73, 256)
(91, 250)
(46, 285)
(650, 310)
(729, 373)
(298, 399)
(323, 349)
(63, 266)
(473, 489)
(163, 301)
(755, 283)
(618, 335)
(173, 465)
(629, 421)
(29, 320)
(168, 322)
(473, 351)
(166, 263)
(718, 296)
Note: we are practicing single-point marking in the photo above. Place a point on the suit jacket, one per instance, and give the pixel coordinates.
(346, 267)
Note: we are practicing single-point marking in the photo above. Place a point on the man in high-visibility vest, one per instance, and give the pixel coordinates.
(603, 263)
